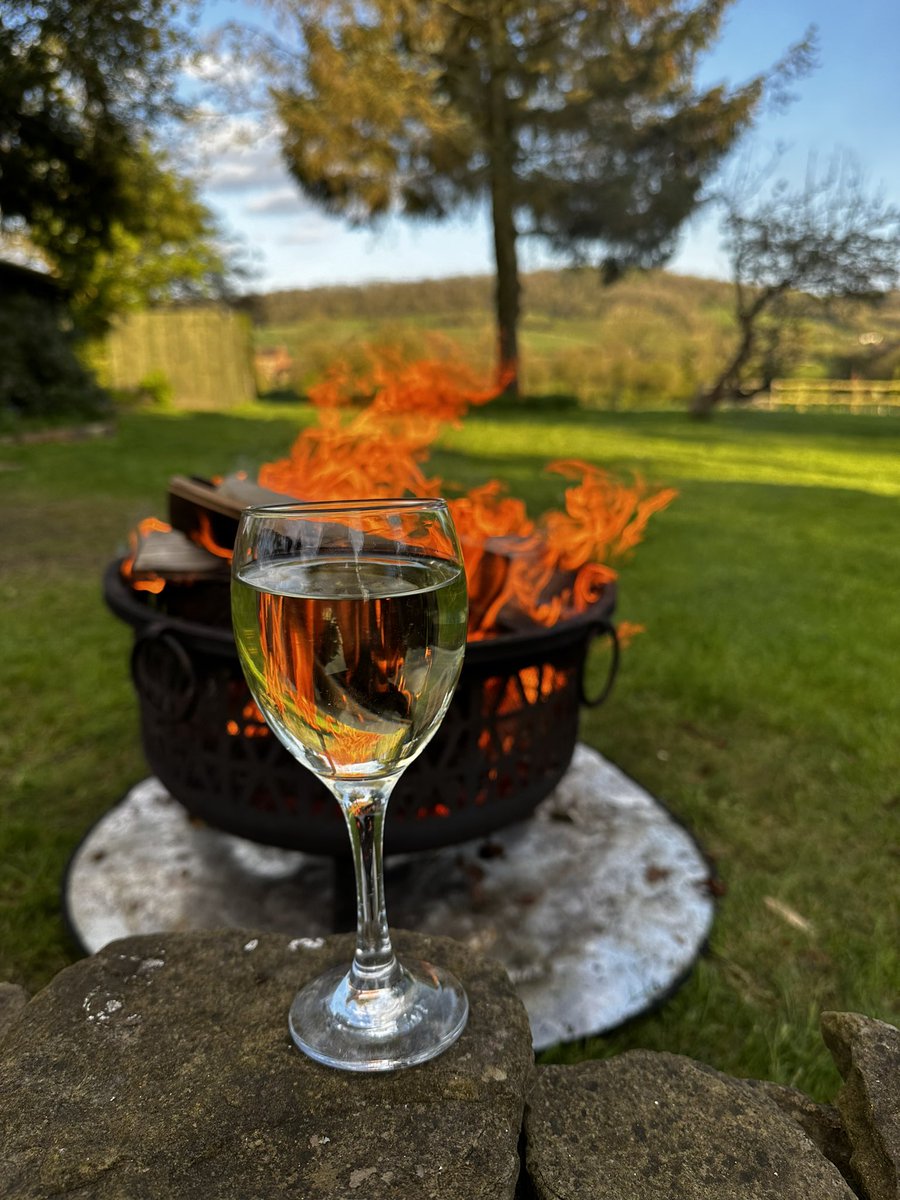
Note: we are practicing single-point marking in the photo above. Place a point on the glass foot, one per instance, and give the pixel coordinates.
(418, 1015)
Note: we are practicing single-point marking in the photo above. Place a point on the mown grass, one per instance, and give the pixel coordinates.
(761, 705)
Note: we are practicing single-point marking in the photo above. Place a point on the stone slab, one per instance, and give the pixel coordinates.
(597, 907)
(867, 1054)
(654, 1126)
(162, 1067)
(12, 1001)
(821, 1123)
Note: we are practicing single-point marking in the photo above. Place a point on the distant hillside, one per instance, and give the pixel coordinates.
(649, 339)
(578, 292)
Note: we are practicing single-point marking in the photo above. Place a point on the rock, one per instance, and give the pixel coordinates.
(820, 1122)
(648, 1126)
(162, 1067)
(867, 1054)
(12, 1000)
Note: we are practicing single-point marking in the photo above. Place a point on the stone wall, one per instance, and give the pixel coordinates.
(162, 1068)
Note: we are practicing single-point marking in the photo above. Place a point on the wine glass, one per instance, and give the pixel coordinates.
(350, 623)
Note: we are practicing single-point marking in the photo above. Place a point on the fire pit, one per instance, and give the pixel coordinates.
(540, 592)
(507, 739)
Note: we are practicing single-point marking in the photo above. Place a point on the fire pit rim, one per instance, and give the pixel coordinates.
(125, 604)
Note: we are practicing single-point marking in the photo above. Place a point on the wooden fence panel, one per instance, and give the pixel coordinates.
(861, 395)
(205, 355)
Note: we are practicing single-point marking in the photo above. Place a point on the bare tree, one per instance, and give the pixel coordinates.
(830, 240)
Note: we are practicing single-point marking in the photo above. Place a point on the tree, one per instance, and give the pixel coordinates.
(82, 84)
(826, 242)
(170, 249)
(580, 122)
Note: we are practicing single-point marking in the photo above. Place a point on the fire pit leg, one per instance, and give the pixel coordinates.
(343, 909)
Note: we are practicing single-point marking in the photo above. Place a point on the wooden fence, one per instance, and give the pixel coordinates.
(858, 395)
(204, 355)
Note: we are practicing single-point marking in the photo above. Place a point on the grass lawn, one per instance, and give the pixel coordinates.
(762, 704)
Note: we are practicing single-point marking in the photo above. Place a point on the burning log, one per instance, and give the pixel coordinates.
(168, 552)
(208, 511)
(190, 556)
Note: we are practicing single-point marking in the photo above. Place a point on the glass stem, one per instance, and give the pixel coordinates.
(364, 805)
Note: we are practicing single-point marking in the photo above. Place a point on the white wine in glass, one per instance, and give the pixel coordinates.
(350, 622)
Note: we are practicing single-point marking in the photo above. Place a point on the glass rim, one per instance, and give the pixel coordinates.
(302, 508)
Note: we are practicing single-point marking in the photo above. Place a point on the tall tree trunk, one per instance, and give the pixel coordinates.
(506, 295)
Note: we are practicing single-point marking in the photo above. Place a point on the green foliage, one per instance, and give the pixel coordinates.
(41, 374)
(83, 88)
(168, 248)
(610, 141)
(645, 348)
(790, 250)
(452, 297)
(81, 85)
(157, 388)
(652, 339)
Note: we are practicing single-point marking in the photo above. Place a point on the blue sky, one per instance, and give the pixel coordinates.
(850, 103)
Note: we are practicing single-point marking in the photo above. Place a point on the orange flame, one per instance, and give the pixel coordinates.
(372, 439)
(377, 452)
(519, 571)
(152, 582)
(204, 537)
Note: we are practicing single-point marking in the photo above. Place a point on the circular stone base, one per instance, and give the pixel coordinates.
(597, 906)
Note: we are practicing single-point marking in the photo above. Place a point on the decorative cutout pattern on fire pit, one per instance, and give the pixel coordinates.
(505, 743)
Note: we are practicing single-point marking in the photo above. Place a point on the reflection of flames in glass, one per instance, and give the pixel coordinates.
(520, 572)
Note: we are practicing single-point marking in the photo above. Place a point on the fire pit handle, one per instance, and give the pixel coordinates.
(602, 627)
(164, 674)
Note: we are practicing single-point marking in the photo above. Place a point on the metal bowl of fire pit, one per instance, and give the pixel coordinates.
(507, 739)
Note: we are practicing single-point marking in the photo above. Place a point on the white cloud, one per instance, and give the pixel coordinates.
(312, 234)
(279, 202)
(235, 154)
(225, 77)
(241, 170)
(213, 67)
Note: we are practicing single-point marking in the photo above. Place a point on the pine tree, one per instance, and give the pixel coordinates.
(581, 123)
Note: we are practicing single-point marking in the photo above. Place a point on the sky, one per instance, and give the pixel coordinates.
(849, 104)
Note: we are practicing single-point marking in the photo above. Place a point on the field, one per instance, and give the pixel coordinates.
(762, 704)
(651, 340)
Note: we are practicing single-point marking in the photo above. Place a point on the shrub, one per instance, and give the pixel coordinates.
(40, 372)
(156, 388)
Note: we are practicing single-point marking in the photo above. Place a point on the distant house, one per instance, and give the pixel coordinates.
(273, 367)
